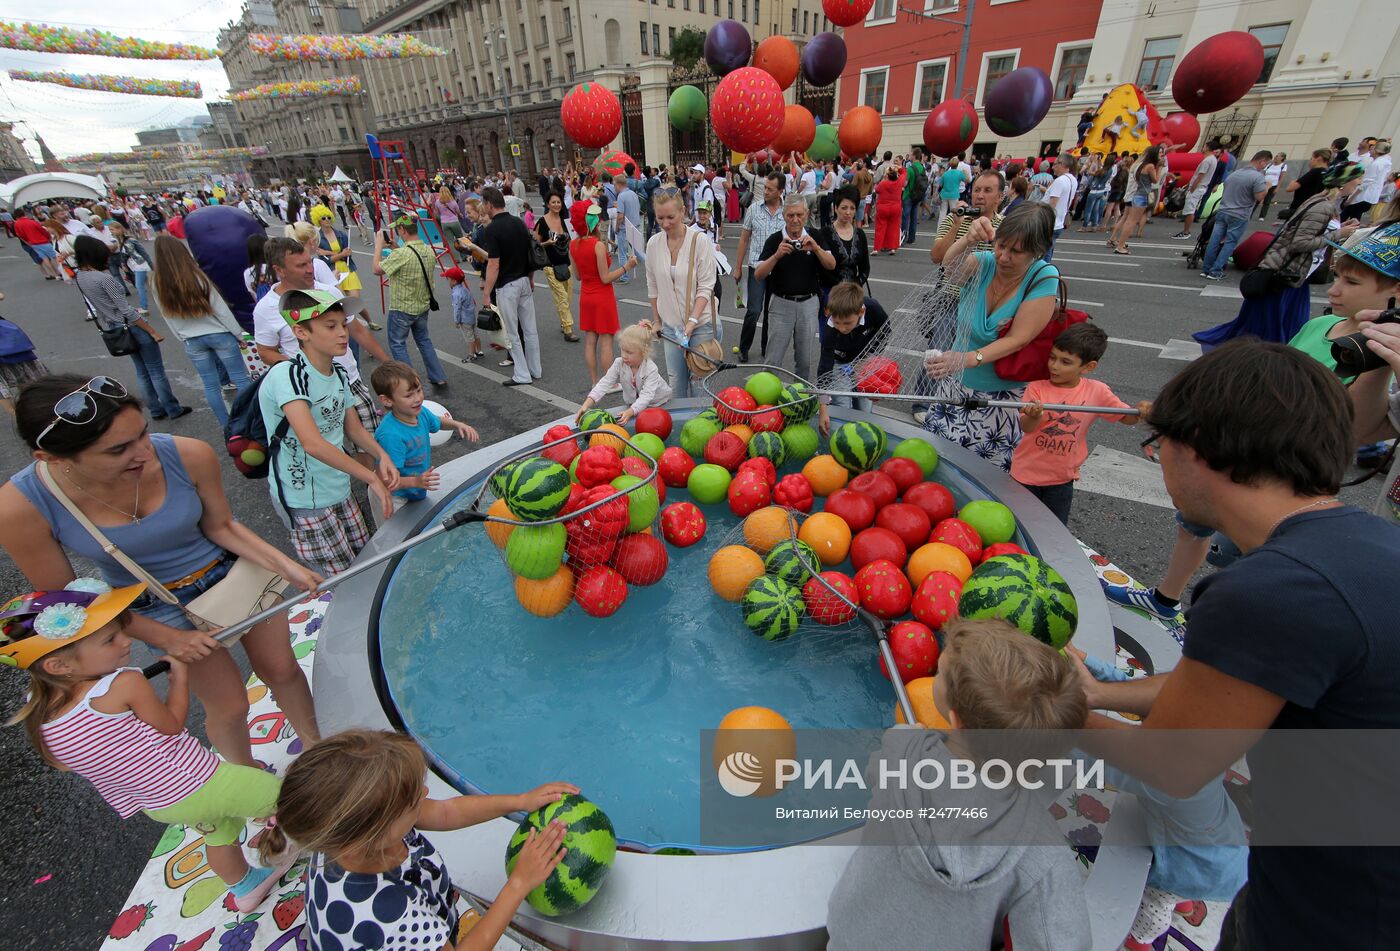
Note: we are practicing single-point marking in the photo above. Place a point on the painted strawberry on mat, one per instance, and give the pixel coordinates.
(289, 908)
(131, 920)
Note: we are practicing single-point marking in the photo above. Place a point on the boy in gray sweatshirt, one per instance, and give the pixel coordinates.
(964, 884)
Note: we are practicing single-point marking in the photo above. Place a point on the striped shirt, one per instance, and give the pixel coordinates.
(134, 766)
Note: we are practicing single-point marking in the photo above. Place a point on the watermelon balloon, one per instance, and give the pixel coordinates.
(1025, 591)
(772, 608)
(777, 56)
(687, 109)
(824, 147)
(858, 446)
(591, 115)
(1182, 129)
(590, 844)
(728, 47)
(536, 551)
(801, 442)
(846, 12)
(536, 489)
(798, 131)
(613, 162)
(860, 131)
(951, 127)
(747, 109)
(824, 59)
(1018, 101)
(792, 561)
(1218, 72)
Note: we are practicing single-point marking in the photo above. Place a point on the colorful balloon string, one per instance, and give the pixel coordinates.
(110, 158)
(42, 38)
(301, 89)
(131, 85)
(330, 47)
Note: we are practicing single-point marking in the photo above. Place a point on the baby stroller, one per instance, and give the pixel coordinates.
(1197, 253)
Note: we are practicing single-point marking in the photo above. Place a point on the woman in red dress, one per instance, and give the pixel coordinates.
(889, 206)
(597, 304)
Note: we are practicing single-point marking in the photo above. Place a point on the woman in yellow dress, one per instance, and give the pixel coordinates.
(335, 248)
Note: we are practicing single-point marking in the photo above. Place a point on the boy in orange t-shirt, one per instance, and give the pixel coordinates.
(1055, 444)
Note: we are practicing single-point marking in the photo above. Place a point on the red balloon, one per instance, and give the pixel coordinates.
(860, 131)
(951, 127)
(798, 131)
(846, 12)
(600, 591)
(909, 522)
(876, 544)
(823, 606)
(682, 524)
(915, 651)
(884, 591)
(934, 499)
(656, 421)
(591, 114)
(777, 56)
(905, 472)
(959, 534)
(727, 450)
(856, 509)
(675, 466)
(1218, 72)
(641, 559)
(747, 109)
(1183, 129)
(880, 487)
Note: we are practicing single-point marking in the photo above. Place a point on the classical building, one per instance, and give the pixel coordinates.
(225, 130)
(14, 159)
(511, 62)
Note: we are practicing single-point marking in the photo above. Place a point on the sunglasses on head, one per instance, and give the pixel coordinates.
(79, 407)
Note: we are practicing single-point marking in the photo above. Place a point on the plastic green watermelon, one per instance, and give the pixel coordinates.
(590, 845)
(594, 418)
(801, 442)
(800, 412)
(791, 561)
(1025, 591)
(772, 608)
(697, 431)
(768, 445)
(536, 551)
(501, 476)
(536, 489)
(858, 446)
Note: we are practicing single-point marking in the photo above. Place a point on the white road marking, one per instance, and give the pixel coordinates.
(1135, 343)
(1132, 284)
(544, 396)
(1107, 263)
(1122, 475)
(1187, 350)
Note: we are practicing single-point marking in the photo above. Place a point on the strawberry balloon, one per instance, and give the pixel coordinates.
(592, 115)
(846, 12)
(747, 109)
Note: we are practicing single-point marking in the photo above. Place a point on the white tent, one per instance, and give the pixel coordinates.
(340, 176)
(46, 186)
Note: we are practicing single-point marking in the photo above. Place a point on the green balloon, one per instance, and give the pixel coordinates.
(824, 147)
(687, 108)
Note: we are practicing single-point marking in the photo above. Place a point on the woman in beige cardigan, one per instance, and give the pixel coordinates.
(680, 267)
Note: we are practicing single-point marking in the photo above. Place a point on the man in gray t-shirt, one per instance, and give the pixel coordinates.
(1244, 188)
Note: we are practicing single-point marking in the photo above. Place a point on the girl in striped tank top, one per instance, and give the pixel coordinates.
(90, 713)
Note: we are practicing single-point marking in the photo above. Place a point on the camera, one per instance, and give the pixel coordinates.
(1351, 353)
(968, 212)
(795, 243)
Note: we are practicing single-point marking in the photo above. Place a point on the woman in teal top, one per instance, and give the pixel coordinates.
(1007, 287)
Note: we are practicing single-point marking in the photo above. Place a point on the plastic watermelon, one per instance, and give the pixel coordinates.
(536, 489)
(772, 608)
(590, 845)
(698, 431)
(536, 551)
(500, 477)
(802, 411)
(790, 561)
(768, 446)
(594, 418)
(1025, 591)
(858, 446)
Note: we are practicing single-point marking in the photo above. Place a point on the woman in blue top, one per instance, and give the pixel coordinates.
(160, 500)
(1008, 287)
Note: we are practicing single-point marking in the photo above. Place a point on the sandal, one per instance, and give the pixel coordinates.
(1121, 251)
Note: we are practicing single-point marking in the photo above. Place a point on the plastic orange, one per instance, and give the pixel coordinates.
(825, 474)
(754, 718)
(829, 536)
(760, 737)
(732, 569)
(936, 556)
(767, 527)
(608, 435)
(743, 432)
(497, 532)
(925, 710)
(548, 597)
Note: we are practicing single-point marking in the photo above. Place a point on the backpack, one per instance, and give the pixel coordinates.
(921, 183)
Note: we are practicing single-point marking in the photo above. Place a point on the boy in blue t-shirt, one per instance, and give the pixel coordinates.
(311, 479)
(404, 433)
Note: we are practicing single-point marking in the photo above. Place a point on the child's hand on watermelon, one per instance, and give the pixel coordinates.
(541, 796)
(539, 856)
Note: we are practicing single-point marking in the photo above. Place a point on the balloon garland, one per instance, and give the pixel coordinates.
(42, 38)
(131, 85)
(301, 89)
(332, 47)
(104, 158)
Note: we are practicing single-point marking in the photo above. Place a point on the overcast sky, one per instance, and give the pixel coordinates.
(75, 120)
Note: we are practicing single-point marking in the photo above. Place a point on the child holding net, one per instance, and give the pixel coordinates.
(635, 371)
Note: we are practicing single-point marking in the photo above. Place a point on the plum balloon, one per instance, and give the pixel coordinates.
(860, 131)
(799, 128)
(825, 146)
(846, 12)
(777, 56)
(747, 109)
(824, 59)
(1183, 129)
(728, 47)
(218, 239)
(1218, 72)
(951, 127)
(687, 109)
(1018, 102)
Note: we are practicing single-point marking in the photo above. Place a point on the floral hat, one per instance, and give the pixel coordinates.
(37, 624)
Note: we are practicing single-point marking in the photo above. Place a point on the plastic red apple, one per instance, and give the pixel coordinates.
(878, 544)
(934, 499)
(880, 487)
(909, 522)
(959, 534)
(726, 450)
(675, 466)
(825, 607)
(915, 651)
(905, 472)
(856, 509)
(641, 559)
(883, 589)
(1003, 548)
(656, 421)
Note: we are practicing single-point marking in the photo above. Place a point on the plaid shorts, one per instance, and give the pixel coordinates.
(328, 539)
(367, 408)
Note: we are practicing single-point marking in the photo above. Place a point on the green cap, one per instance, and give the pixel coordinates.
(297, 306)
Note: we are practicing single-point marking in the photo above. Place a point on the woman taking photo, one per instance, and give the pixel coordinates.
(889, 206)
(846, 243)
(200, 319)
(680, 284)
(1008, 297)
(1139, 199)
(554, 236)
(597, 302)
(159, 501)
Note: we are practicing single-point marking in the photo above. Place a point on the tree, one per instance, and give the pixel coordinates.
(688, 47)
(451, 156)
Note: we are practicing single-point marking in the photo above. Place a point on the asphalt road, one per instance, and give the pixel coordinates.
(1149, 303)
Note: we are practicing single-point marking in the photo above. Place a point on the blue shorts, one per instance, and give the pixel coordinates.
(149, 606)
(33, 255)
(1222, 550)
(1139, 200)
(44, 251)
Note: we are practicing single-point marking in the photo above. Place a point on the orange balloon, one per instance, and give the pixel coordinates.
(825, 474)
(732, 569)
(767, 527)
(799, 129)
(925, 710)
(548, 597)
(829, 536)
(860, 131)
(742, 431)
(495, 531)
(936, 556)
(608, 435)
(777, 56)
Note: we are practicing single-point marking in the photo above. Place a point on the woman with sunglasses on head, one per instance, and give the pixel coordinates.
(160, 501)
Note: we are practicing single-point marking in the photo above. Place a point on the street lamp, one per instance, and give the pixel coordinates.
(500, 38)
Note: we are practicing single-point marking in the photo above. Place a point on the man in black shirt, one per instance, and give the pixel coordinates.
(1309, 183)
(790, 263)
(854, 325)
(506, 241)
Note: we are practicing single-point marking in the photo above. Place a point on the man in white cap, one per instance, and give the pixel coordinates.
(699, 189)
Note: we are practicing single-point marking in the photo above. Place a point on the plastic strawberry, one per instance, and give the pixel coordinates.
(131, 920)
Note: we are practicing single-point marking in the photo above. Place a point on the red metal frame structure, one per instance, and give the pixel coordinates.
(396, 191)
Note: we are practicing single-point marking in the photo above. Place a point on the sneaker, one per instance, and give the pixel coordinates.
(253, 890)
(920, 416)
(1213, 277)
(373, 326)
(506, 363)
(1141, 598)
(1181, 236)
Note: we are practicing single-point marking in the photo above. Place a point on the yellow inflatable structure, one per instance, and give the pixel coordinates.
(1124, 121)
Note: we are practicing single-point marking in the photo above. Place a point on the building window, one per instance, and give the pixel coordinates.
(656, 39)
(1272, 38)
(1074, 63)
(335, 110)
(529, 78)
(510, 79)
(872, 87)
(756, 17)
(1158, 56)
(685, 4)
(731, 9)
(806, 24)
(549, 64)
(671, 3)
(882, 10)
(997, 67)
(794, 19)
(645, 51)
(570, 64)
(544, 27)
(476, 88)
(670, 38)
(568, 23)
(344, 134)
(744, 9)
(932, 77)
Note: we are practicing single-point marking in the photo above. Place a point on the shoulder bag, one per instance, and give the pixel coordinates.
(432, 299)
(120, 341)
(1259, 281)
(247, 589)
(707, 360)
(1031, 362)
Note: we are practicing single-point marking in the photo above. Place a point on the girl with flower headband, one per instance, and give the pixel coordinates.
(91, 714)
